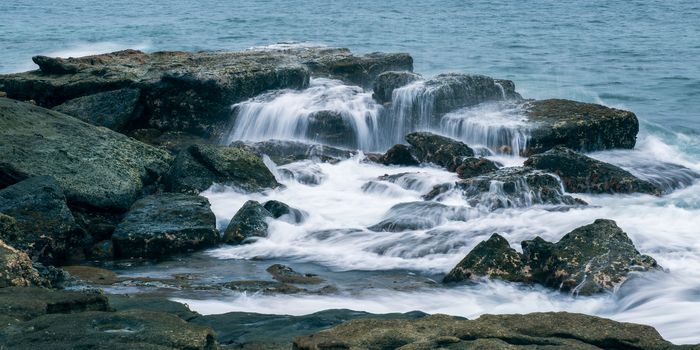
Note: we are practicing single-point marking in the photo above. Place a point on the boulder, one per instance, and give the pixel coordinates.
(249, 221)
(492, 258)
(471, 167)
(151, 303)
(590, 259)
(580, 126)
(45, 226)
(264, 287)
(286, 274)
(398, 155)
(439, 150)
(25, 303)
(16, 268)
(199, 166)
(282, 210)
(387, 82)
(329, 127)
(111, 109)
(163, 224)
(550, 330)
(582, 174)
(96, 167)
(285, 152)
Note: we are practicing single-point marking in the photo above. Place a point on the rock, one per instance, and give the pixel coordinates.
(440, 150)
(387, 82)
(551, 330)
(493, 258)
(471, 167)
(329, 127)
(285, 152)
(580, 126)
(25, 303)
(199, 166)
(282, 210)
(151, 303)
(16, 268)
(45, 226)
(398, 155)
(249, 221)
(417, 216)
(260, 331)
(173, 141)
(131, 329)
(265, 287)
(305, 172)
(92, 275)
(164, 224)
(285, 274)
(102, 250)
(510, 187)
(54, 277)
(582, 174)
(111, 109)
(96, 167)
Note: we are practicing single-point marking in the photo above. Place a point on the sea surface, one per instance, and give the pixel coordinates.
(643, 56)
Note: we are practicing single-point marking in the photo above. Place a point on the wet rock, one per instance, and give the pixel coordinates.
(131, 329)
(493, 258)
(151, 303)
(111, 109)
(329, 127)
(249, 221)
(265, 287)
(417, 216)
(92, 274)
(282, 210)
(164, 224)
(96, 167)
(285, 152)
(102, 250)
(398, 155)
(439, 150)
(471, 167)
(54, 277)
(16, 268)
(387, 82)
(25, 303)
(580, 126)
(199, 166)
(581, 174)
(260, 331)
(305, 172)
(549, 330)
(45, 226)
(285, 274)
(173, 141)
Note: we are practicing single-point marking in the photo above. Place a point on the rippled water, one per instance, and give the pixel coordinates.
(639, 55)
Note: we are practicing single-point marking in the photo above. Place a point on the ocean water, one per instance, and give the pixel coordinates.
(639, 55)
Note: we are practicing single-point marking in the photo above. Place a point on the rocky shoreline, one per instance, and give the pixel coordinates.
(104, 159)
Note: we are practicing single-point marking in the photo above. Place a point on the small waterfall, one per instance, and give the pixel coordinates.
(411, 109)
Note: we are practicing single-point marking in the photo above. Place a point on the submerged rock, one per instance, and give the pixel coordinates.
(199, 166)
(111, 109)
(440, 150)
(387, 82)
(285, 152)
(590, 259)
(16, 268)
(305, 172)
(96, 167)
(285, 274)
(25, 303)
(580, 126)
(417, 216)
(164, 224)
(45, 227)
(549, 330)
(581, 174)
(472, 166)
(249, 221)
(398, 155)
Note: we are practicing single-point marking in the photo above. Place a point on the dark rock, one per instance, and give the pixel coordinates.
(387, 82)
(54, 277)
(471, 167)
(131, 329)
(285, 152)
(557, 331)
(111, 109)
(581, 174)
(25, 303)
(93, 275)
(265, 287)
(163, 224)
(493, 258)
(199, 166)
(45, 226)
(279, 210)
(398, 155)
(259, 331)
(96, 167)
(331, 128)
(151, 303)
(580, 126)
(285, 274)
(16, 268)
(249, 221)
(102, 250)
(440, 150)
